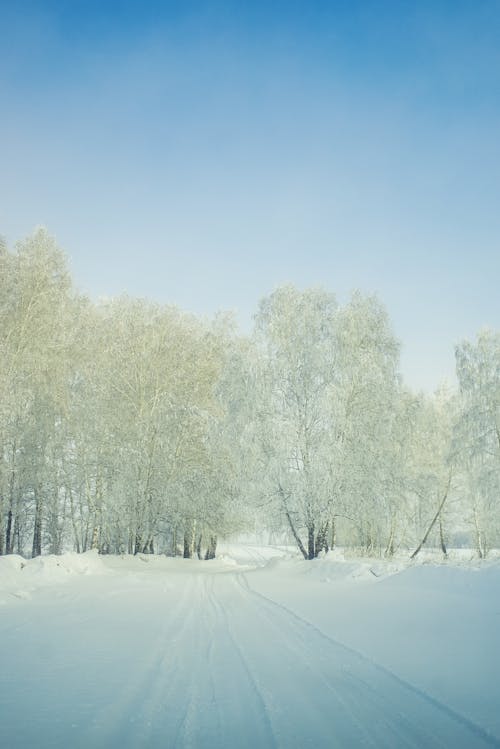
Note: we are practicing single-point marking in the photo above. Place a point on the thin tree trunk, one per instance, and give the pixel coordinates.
(198, 546)
(148, 547)
(189, 536)
(479, 536)
(9, 539)
(434, 519)
(290, 523)
(17, 535)
(389, 549)
(97, 507)
(174, 541)
(322, 539)
(441, 535)
(73, 520)
(333, 533)
(37, 530)
(2, 548)
(212, 546)
(95, 536)
(138, 543)
(311, 549)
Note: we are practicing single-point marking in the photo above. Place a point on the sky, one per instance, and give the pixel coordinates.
(202, 153)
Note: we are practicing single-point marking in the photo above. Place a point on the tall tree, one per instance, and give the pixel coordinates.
(478, 372)
(36, 350)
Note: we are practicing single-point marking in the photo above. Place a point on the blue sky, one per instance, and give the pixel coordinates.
(203, 153)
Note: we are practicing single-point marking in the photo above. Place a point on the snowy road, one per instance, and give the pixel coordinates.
(198, 658)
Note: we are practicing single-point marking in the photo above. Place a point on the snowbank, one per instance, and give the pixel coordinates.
(20, 578)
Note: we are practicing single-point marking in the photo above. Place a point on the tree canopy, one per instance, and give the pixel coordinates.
(130, 426)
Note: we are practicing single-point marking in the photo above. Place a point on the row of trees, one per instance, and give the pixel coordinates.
(129, 426)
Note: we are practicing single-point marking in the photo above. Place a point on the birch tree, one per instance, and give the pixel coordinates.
(36, 347)
(298, 336)
(478, 433)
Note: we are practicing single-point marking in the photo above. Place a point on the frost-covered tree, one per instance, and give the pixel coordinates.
(478, 434)
(230, 491)
(364, 400)
(328, 382)
(433, 481)
(132, 426)
(156, 381)
(298, 336)
(36, 343)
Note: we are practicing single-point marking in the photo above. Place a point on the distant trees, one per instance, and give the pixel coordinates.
(129, 426)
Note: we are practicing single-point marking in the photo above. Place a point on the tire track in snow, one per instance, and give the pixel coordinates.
(366, 719)
(227, 666)
(221, 709)
(167, 700)
(144, 689)
(310, 708)
(256, 689)
(477, 733)
(200, 715)
(300, 649)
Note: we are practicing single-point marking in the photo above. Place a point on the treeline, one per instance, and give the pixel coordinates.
(129, 426)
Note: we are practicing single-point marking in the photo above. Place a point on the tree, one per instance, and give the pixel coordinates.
(297, 332)
(35, 347)
(434, 464)
(478, 433)
(328, 381)
(365, 399)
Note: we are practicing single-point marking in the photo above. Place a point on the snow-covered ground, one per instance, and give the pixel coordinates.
(254, 649)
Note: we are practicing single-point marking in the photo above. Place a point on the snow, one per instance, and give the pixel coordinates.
(256, 648)
(20, 577)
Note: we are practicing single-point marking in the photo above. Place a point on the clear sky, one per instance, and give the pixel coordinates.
(203, 153)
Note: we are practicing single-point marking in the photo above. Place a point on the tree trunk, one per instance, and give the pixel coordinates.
(148, 547)
(9, 538)
(189, 532)
(434, 519)
(211, 548)
(480, 544)
(96, 532)
(174, 542)
(2, 547)
(441, 535)
(322, 539)
(311, 550)
(138, 543)
(37, 530)
(17, 536)
(73, 521)
(389, 549)
(198, 546)
(333, 533)
(290, 523)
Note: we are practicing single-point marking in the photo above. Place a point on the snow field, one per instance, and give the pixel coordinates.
(256, 649)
